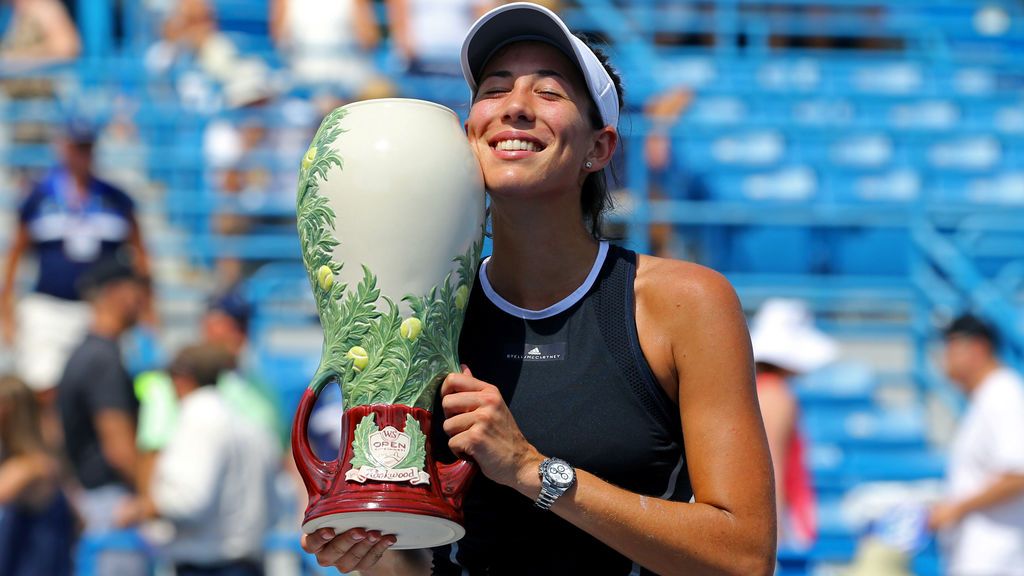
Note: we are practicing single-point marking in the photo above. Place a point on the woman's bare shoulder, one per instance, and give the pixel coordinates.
(686, 286)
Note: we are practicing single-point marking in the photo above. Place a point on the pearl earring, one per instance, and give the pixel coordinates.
(589, 164)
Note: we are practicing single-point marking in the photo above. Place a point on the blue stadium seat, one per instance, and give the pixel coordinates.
(821, 112)
(785, 185)
(769, 250)
(289, 376)
(871, 251)
(927, 114)
(243, 16)
(979, 153)
(763, 148)
(873, 428)
(840, 384)
(866, 150)
(895, 185)
(999, 189)
(886, 78)
(718, 110)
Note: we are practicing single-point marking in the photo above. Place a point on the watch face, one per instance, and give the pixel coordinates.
(560, 473)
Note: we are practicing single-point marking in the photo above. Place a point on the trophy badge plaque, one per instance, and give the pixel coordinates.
(390, 211)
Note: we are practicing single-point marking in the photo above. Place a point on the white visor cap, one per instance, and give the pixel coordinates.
(783, 333)
(521, 21)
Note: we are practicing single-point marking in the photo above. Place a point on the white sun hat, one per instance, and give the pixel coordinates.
(520, 21)
(783, 333)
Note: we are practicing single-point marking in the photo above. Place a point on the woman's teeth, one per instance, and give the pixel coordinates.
(517, 145)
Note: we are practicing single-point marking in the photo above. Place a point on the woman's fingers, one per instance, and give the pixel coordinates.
(348, 550)
(332, 551)
(376, 552)
(362, 550)
(461, 382)
(460, 402)
(312, 543)
(457, 424)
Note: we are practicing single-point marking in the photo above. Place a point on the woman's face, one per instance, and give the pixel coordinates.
(528, 125)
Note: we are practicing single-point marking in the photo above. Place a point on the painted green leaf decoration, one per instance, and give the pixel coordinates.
(361, 442)
(417, 456)
(399, 370)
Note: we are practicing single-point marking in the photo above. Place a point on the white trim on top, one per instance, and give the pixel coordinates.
(556, 308)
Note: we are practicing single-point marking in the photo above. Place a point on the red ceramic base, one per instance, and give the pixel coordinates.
(421, 515)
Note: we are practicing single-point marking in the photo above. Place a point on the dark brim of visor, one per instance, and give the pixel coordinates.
(515, 26)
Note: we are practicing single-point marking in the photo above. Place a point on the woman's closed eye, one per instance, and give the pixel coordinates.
(491, 92)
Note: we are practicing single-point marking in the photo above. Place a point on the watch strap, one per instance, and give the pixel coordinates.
(546, 499)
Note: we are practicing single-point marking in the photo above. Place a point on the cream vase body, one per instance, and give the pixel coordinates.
(390, 199)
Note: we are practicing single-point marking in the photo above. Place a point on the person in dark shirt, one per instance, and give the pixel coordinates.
(98, 407)
(70, 220)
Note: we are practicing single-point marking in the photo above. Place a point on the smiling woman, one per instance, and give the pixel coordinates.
(607, 397)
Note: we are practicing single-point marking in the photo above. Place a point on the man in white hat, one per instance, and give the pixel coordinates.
(786, 343)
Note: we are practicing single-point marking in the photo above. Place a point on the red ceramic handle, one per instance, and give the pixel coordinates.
(316, 474)
(455, 479)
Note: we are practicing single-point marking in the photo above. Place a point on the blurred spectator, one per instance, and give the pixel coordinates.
(326, 42)
(70, 220)
(233, 144)
(669, 180)
(39, 32)
(37, 524)
(224, 326)
(121, 153)
(191, 32)
(98, 408)
(243, 150)
(983, 515)
(214, 480)
(428, 33)
(786, 343)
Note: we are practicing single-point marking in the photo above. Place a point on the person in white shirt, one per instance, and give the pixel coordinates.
(984, 513)
(214, 479)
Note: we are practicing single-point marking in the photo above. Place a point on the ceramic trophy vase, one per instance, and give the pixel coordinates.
(390, 217)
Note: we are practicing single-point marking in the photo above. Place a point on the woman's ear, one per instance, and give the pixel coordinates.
(605, 142)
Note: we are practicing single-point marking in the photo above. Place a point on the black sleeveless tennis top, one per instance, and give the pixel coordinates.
(580, 389)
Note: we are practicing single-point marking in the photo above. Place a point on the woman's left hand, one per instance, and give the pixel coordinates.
(482, 428)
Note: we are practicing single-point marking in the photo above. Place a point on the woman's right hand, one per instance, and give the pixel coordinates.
(354, 549)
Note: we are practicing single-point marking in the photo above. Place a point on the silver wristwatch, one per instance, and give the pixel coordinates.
(556, 477)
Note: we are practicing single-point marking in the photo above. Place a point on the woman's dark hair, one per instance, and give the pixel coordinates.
(596, 198)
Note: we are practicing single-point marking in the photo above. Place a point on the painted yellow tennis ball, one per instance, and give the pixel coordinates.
(307, 160)
(359, 357)
(325, 277)
(411, 328)
(461, 297)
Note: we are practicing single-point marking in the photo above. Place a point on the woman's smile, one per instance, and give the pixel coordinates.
(515, 144)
